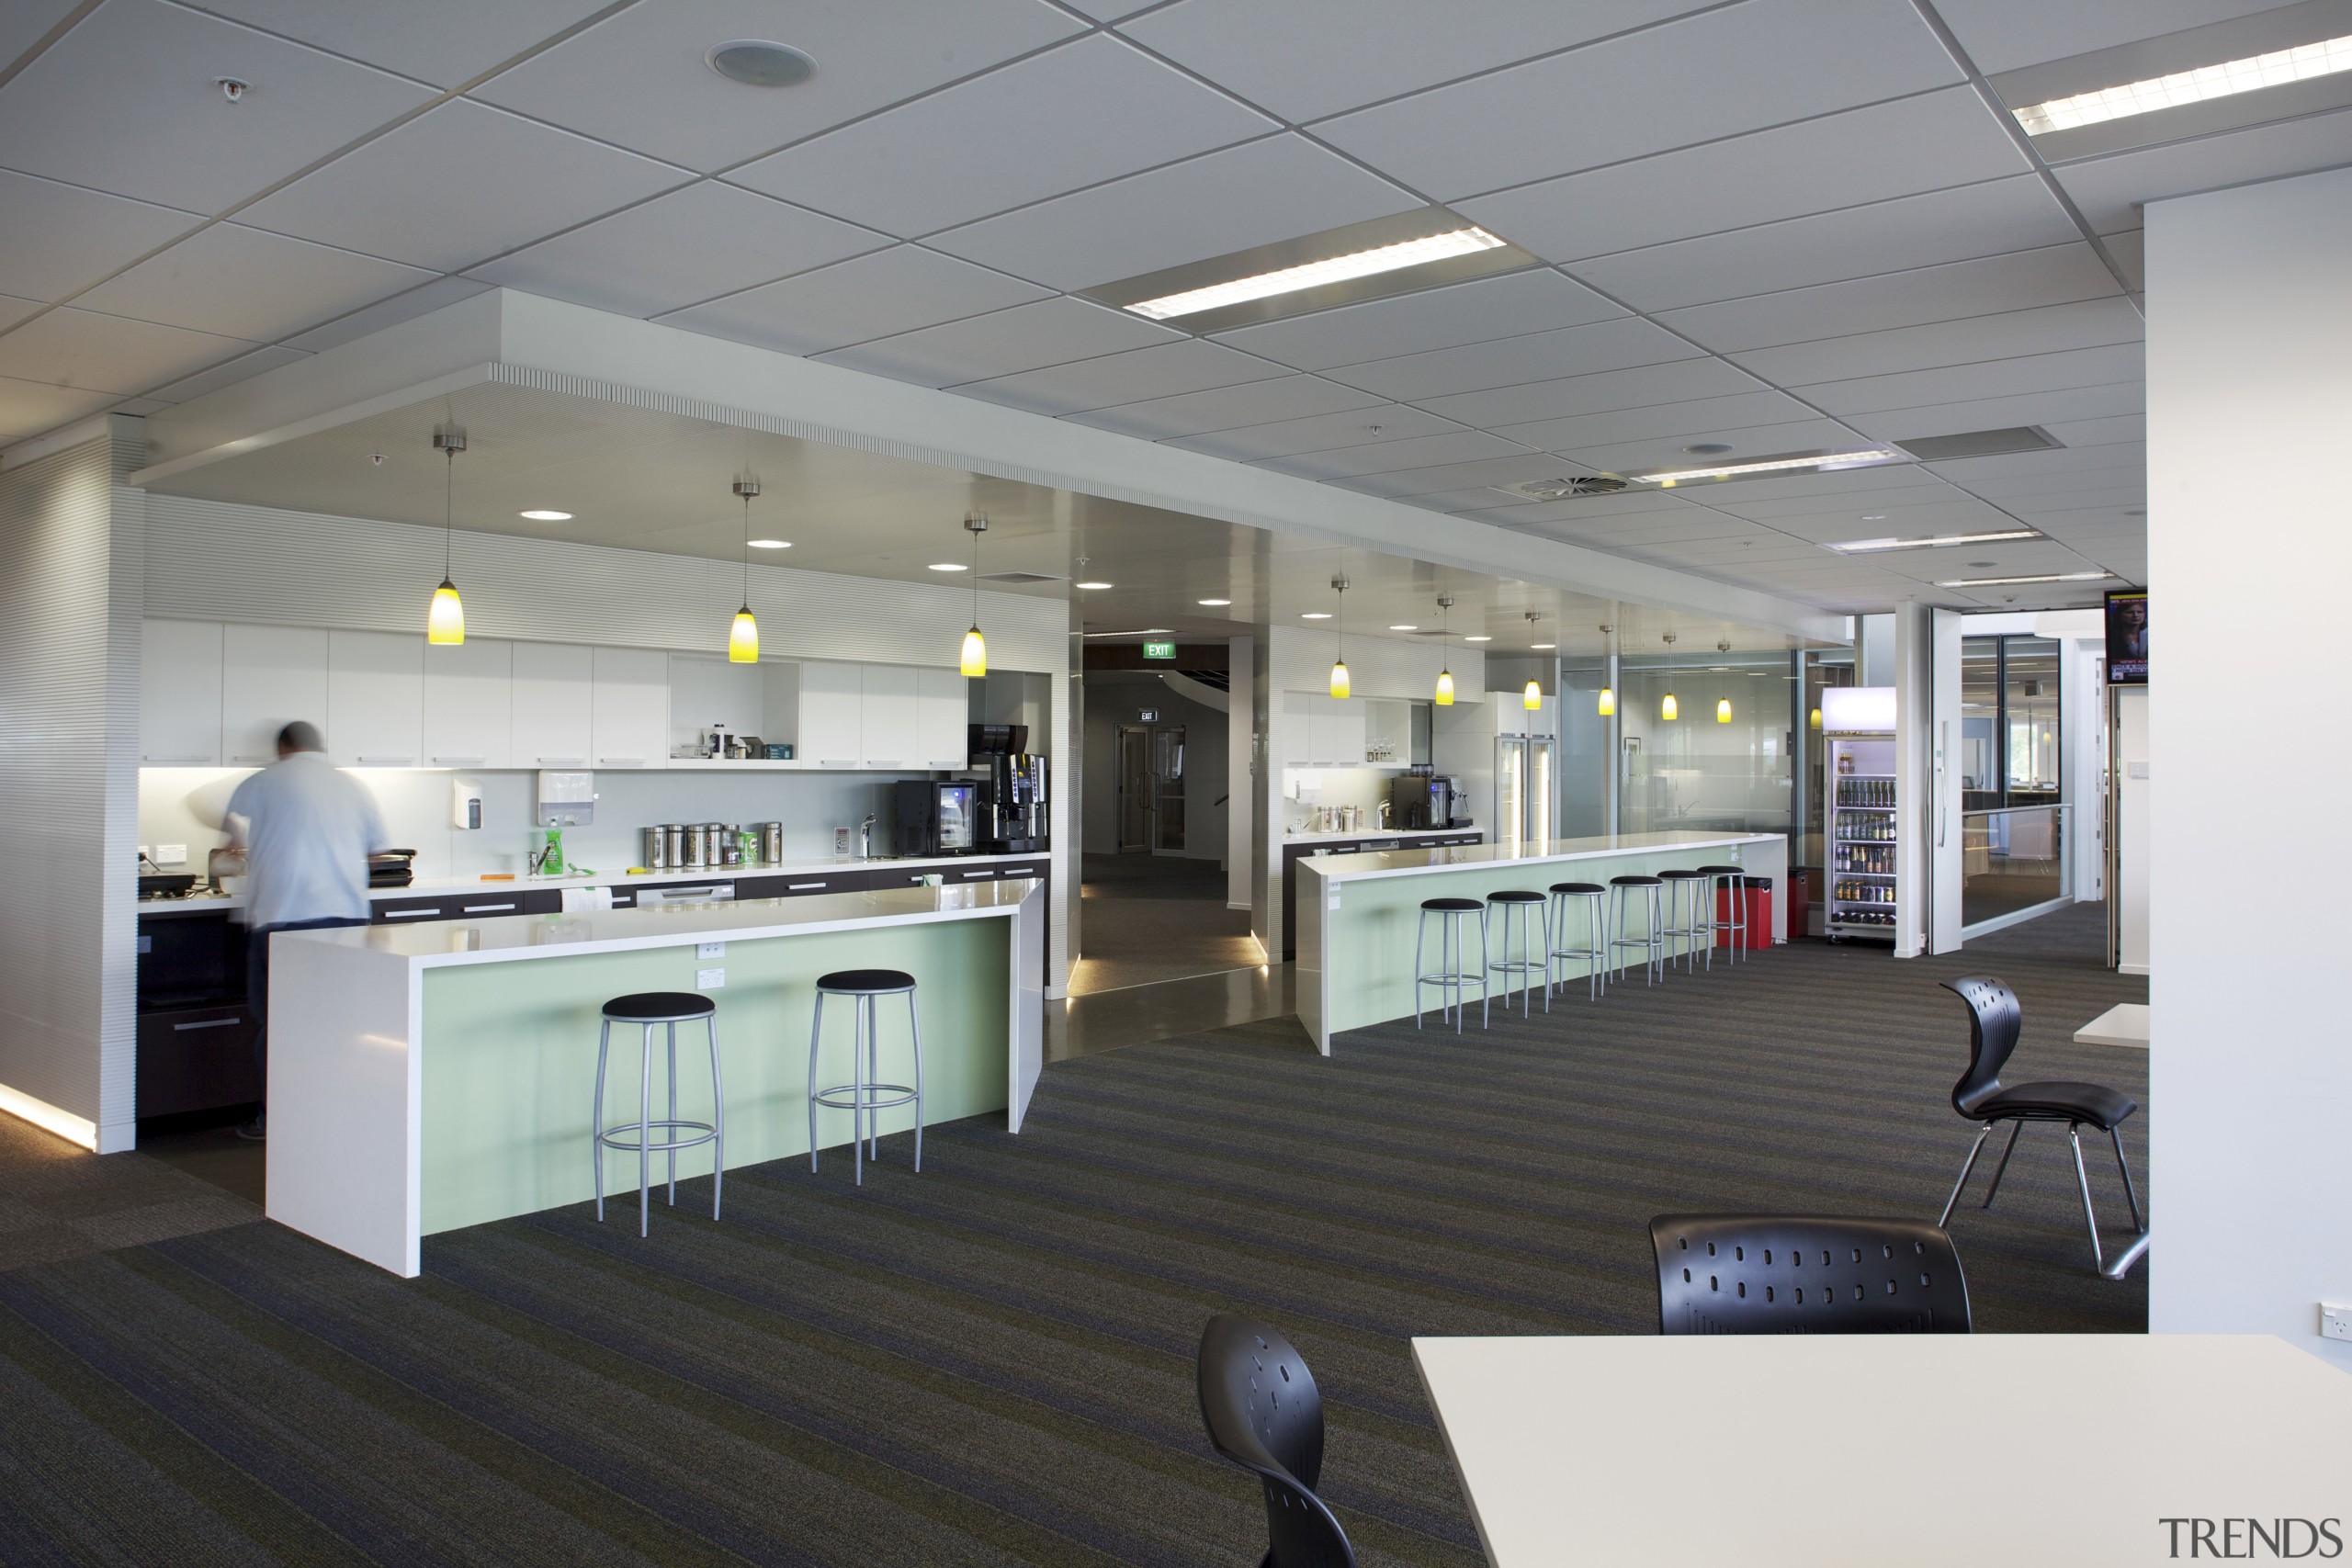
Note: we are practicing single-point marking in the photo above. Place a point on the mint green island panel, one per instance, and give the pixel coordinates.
(426, 1078)
(1358, 914)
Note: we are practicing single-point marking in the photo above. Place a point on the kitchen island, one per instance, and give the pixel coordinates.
(428, 1076)
(1358, 914)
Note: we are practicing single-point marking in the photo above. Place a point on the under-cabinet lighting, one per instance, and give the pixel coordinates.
(1314, 275)
(548, 516)
(1214, 603)
(1866, 547)
(1094, 585)
(771, 544)
(2231, 76)
(949, 566)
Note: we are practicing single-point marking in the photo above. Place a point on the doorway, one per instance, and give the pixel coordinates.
(1152, 789)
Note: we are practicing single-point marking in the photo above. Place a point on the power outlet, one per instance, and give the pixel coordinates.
(710, 950)
(710, 979)
(171, 854)
(2335, 1321)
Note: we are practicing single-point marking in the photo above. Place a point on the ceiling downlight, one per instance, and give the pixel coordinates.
(758, 62)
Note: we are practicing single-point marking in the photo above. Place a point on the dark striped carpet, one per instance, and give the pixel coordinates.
(991, 1363)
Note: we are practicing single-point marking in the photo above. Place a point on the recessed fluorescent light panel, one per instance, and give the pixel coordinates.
(2010, 581)
(1819, 461)
(545, 516)
(1216, 603)
(949, 566)
(1395, 254)
(1146, 631)
(1094, 585)
(1315, 615)
(771, 544)
(2276, 69)
(1872, 546)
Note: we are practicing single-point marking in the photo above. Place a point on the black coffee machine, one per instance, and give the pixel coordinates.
(1421, 800)
(1014, 816)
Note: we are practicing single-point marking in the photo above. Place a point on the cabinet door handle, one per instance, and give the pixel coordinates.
(410, 914)
(250, 761)
(620, 761)
(176, 761)
(456, 761)
(802, 887)
(208, 1023)
(485, 909)
(385, 761)
(563, 761)
(837, 762)
(882, 761)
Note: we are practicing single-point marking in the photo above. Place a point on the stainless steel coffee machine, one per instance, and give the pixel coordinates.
(1421, 800)
(1016, 803)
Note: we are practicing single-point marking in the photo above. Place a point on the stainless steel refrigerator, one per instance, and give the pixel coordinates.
(1527, 789)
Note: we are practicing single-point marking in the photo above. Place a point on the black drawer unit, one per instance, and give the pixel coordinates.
(1013, 872)
(196, 1059)
(406, 911)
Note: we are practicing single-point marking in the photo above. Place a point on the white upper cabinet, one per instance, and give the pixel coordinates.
(831, 715)
(553, 695)
(888, 718)
(179, 694)
(375, 699)
(630, 717)
(269, 676)
(469, 704)
(942, 738)
(1342, 726)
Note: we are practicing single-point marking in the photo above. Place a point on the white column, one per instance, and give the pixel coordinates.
(1241, 771)
(2249, 399)
(1946, 865)
(1913, 682)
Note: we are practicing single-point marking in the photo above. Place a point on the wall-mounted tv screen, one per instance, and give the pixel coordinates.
(2127, 638)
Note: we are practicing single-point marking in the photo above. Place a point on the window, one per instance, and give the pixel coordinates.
(2009, 728)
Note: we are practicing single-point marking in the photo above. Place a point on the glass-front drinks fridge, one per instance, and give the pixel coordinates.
(1525, 790)
(1858, 728)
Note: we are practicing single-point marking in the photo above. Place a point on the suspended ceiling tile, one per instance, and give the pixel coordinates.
(1111, 10)
(126, 103)
(24, 22)
(2001, 35)
(1868, 154)
(31, 408)
(2017, 470)
(241, 282)
(1680, 381)
(91, 352)
(1590, 509)
(394, 197)
(1538, 299)
(1087, 111)
(1730, 69)
(2003, 377)
(1699, 419)
(2112, 190)
(1631, 456)
(445, 42)
(1228, 408)
(1536, 356)
(1999, 216)
(640, 79)
(1278, 188)
(1026, 337)
(2085, 324)
(2129, 250)
(680, 249)
(1381, 457)
(2003, 414)
(1761, 501)
(12, 309)
(55, 239)
(1165, 369)
(227, 374)
(1311, 57)
(1987, 285)
(1481, 475)
(1319, 432)
(2085, 432)
(891, 291)
(1880, 481)
(418, 301)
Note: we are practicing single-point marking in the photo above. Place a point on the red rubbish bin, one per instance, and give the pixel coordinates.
(1757, 892)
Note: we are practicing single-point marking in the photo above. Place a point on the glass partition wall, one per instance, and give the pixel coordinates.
(2013, 849)
(1705, 743)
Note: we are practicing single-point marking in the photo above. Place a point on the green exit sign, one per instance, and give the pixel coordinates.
(1160, 650)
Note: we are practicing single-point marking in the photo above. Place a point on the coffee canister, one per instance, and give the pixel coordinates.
(774, 840)
(657, 849)
(675, 832)
(697, 843)
(730, 844)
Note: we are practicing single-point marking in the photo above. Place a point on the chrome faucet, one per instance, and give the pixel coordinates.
(865, 838)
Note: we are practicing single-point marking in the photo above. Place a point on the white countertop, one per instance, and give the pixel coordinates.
(1406, 863)
(504, 938)
(426, 886)
(1375, 834)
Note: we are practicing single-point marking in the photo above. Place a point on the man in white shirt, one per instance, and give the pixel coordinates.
(306, 829)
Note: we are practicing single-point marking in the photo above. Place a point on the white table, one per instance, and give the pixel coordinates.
(1918, 1449)
(2125, 1023)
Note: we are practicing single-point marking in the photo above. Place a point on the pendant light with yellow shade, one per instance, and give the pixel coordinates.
(444, 623)
(974, 659)
(1669, 709)
(743, 636)
(1445, 638)
(1531, 698)
(1723, 704)
(1608, 707)
(1341, 686)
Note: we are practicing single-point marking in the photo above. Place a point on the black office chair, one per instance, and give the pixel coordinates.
(1805, 1274)
(1993, 1020)
(1262, 1412)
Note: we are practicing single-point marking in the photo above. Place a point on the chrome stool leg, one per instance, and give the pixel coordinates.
(1966, 1165)
(2015, 1128)
(2090, 1216)
(596, 1122)
(2131, 1196)
(718, 1116)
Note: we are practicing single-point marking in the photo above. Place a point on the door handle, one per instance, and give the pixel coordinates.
(208, 1023)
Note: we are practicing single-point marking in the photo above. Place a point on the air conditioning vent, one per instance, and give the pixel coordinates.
(1565, 487)
(1981, 444)
(1023, 577)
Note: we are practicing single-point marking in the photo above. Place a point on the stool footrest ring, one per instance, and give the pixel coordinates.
(611, 1136)
(877, 1097)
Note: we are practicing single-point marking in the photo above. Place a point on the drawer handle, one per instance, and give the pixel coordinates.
(801, 887)
(385, 761)
(208, 1023)
(562, 761)
(486, 908)
(458, 762)
(410, 914)
(975, 875)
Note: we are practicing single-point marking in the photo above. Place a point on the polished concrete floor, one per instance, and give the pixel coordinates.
(1145, 918)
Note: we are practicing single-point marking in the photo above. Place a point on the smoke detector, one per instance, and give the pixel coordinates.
(1565, 487)
(756, 63)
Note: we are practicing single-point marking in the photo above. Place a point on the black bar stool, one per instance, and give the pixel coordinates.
(1683, 891)
(1595, 952)
(1623, 891)
(670, 1008)
(1522, 902)
(1721, 880)
(1449, 977)
(864, 1097)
